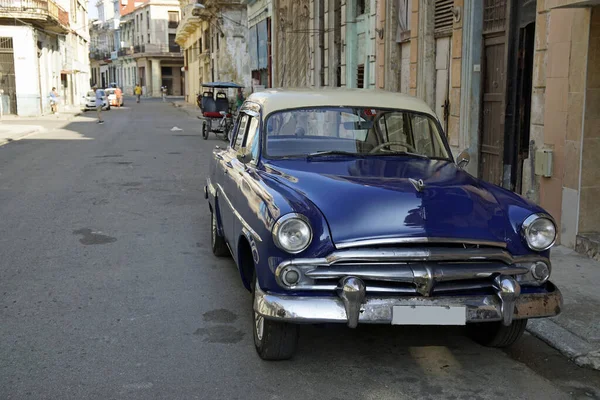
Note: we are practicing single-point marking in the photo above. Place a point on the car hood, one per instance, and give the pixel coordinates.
(374, 199)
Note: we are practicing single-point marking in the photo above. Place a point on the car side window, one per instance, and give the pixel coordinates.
(252, 138)
(239, 138)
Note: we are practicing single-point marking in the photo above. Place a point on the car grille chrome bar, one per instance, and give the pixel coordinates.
(423, 271)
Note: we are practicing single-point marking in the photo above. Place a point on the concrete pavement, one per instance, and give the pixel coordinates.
(576, 331)
(109, 290)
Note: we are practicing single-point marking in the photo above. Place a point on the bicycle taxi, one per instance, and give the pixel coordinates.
(216, 109)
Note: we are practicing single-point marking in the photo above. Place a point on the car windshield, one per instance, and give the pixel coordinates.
(352, 132)
(91, 93)
(110, 91)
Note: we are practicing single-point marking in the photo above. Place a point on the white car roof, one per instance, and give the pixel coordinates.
(281, 99)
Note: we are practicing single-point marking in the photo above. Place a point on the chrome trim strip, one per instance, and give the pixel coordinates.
(237, 214)
(378, 310)
(417, 240)
(415, 254)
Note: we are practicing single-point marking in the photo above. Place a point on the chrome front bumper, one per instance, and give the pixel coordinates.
(352, 306)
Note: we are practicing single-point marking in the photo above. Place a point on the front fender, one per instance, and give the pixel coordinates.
(278, 200)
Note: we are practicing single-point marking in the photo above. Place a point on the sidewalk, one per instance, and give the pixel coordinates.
(13, 127)
(576, 331)
(190, 109)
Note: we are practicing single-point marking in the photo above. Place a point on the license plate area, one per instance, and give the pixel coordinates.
(429, 315)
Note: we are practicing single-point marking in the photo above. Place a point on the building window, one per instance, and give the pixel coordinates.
(148, 20)
(444, 18)
(404, 14)
(173, 19)
(148, 38)
(360, 7)
(360, 76)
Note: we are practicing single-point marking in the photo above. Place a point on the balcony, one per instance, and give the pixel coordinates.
(126, 51)
(100, 55)
(45, 12)
(157, 49)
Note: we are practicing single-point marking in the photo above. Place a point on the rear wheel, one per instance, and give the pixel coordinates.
(496, 334)
(204, 130)
(217, 242)
(273, 340)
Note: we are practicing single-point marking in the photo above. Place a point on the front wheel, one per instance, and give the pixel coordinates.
(217, 242)
(496, 334)
(273, 340)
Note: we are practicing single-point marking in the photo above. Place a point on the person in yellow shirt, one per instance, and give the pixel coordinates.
(138, 92)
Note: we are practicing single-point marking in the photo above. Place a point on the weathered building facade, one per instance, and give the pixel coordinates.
(42, 45)
(214, 37)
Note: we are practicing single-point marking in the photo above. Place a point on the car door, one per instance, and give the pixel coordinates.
(229, 189)
(243, 175)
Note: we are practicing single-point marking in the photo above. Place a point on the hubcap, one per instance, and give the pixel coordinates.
(259, 325)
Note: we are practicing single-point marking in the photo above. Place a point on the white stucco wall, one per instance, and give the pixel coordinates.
(26, 69)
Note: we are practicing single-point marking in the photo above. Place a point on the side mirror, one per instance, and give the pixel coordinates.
(244, 157)
(463, 159)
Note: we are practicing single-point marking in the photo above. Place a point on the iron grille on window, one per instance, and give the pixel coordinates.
(444, 17)
(494, 15)
(360, 76)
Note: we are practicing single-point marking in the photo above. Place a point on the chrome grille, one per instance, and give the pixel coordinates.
(412, 271)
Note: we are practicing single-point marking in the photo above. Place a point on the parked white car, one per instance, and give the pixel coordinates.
(90, 100)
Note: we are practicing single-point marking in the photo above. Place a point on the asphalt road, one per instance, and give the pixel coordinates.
(108, 290)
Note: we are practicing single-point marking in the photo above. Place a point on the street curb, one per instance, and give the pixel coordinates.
(578, 350)
(23, 136)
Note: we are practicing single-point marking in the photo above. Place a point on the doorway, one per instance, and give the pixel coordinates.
(7, 77)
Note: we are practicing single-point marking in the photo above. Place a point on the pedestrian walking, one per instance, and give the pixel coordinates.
(99, 103)
(163, 90)
(54, 101)
(138, 92)
(119, 95)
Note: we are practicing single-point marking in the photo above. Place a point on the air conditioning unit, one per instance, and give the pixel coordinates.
(124, 2)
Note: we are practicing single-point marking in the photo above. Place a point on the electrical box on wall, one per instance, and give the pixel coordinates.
(543, 162)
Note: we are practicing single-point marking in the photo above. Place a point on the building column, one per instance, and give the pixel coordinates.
(156, 78)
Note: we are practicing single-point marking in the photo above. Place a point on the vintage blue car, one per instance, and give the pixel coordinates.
(347, 206)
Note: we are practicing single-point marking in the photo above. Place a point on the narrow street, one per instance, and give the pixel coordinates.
(109, 290)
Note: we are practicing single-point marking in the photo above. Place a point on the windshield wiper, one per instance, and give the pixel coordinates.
(332, 153)
(401, 153)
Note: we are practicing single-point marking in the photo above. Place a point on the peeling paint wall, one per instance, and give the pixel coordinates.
(232, 58)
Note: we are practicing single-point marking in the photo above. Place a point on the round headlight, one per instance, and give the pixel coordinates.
(539, 232)
(292, 233)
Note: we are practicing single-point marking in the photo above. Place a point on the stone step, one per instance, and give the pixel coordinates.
(588, 243)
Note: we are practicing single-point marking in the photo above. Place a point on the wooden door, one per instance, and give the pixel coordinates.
(494, 89)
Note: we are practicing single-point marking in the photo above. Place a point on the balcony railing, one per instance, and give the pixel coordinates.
(48, 7)
(100, 55)
(156, 48)
(125, 51)
(173, 24)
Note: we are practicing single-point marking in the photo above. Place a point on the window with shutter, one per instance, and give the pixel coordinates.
(444, 17)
